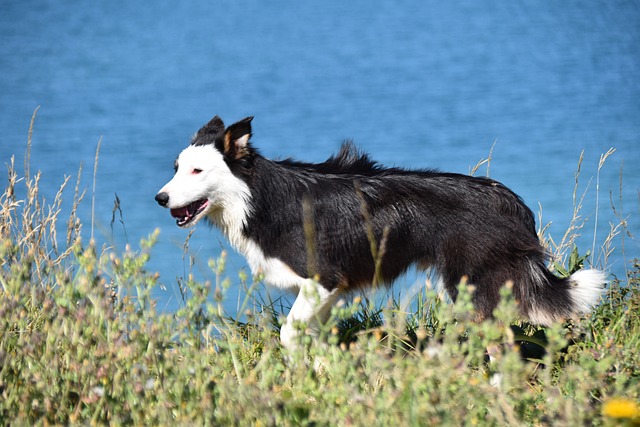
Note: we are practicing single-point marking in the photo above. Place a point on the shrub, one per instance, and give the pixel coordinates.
(82, 343)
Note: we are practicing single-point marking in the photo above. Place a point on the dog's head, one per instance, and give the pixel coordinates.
(207, 172)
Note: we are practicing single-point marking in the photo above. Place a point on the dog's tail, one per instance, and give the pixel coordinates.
(553, 299)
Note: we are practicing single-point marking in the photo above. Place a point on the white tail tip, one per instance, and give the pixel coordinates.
(588, 286)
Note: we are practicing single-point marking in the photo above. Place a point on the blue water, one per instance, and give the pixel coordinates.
(416, 84)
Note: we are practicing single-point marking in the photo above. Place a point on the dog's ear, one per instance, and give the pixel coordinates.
(208, 133)
(215, 126)
(235, 143)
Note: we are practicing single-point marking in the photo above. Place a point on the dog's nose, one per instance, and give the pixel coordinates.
(162, 198)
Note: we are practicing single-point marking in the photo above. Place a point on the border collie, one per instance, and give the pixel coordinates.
(323, 229)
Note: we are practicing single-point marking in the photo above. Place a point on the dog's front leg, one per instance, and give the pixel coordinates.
(309, 311)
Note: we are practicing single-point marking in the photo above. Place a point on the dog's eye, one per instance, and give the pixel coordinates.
(196, 171)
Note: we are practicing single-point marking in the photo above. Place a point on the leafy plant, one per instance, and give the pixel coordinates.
(82, 343)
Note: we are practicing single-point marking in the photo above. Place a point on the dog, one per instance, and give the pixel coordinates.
(323, 229)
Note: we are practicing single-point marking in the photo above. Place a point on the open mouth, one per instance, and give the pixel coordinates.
(186, 214)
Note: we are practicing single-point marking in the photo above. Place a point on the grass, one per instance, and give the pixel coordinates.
(81, 342)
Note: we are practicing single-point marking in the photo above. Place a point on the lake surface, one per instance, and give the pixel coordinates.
(416, 84)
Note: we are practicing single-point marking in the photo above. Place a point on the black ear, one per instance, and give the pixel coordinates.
(235, 143)
(208, 133)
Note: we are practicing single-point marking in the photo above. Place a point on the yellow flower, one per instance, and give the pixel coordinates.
(619, 407)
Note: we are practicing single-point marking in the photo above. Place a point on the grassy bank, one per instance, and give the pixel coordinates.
(82, 343)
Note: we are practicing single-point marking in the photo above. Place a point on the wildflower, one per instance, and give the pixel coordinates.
(620, 407)
(98, 391)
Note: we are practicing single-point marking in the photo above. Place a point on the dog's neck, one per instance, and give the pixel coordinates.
(231, 216)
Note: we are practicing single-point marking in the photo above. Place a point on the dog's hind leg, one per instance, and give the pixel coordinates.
(310, 310)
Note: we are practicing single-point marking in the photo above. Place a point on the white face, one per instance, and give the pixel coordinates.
(202, 185)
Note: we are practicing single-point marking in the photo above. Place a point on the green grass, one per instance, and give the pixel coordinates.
(82, 343)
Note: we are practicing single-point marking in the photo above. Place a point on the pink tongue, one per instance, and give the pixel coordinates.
(180, 212)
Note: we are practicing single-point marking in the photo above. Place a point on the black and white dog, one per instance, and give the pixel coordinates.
(309, 227)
